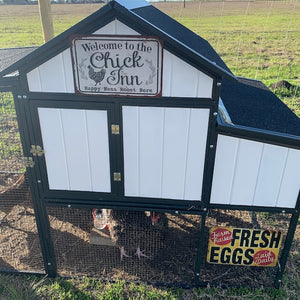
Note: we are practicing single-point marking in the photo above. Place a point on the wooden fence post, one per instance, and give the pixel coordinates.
(46, 19)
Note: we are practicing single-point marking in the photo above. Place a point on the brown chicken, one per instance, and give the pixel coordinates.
(136, 232)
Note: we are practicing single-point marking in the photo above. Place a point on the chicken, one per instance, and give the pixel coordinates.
(96, 76)
(100, 217)
(136, 232)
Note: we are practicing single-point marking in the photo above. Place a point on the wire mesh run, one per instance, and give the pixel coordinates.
(225, 269)
(11, 156)
(129, 245)
(19, 239)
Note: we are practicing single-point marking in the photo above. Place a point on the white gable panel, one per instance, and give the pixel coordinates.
(116, 27)
(179, 78)
(183, 80)
(53, 76)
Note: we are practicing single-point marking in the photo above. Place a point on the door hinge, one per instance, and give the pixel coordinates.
(36, 150)
(117, 176)
(28, 162)
(115, 129)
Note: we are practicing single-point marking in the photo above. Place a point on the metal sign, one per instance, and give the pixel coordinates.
(117, 65)
(241, 246)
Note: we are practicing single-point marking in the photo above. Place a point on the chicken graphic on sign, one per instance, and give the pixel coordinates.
(96, 76)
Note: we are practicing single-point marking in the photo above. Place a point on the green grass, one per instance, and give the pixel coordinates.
(32, 287)
(256, 39)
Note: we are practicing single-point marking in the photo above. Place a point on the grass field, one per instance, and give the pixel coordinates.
(256, 39)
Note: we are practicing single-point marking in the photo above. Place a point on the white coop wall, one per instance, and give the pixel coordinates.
(76, 149)
(254, 173)
(164, 151)
(179, 78)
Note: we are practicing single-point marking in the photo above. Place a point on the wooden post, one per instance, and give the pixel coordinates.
(46, 19)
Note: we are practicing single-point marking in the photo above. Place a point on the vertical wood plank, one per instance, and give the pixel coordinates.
(150, 150)
(75, 136)
(290, 184)
(97, 133)
(34, 81)
(53, 144)
(246, 172)
(52, 75)
(175, 151)
(270, 175)
(226, 154)
(198, 128)
(130, 116)
(68, 71)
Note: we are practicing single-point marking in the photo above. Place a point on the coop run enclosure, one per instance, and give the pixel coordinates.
(144, 158)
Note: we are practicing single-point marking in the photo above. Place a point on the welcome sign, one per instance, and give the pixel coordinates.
(241, 246)
(117, 65)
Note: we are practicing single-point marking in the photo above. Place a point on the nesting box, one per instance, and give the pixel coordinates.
(128, 109)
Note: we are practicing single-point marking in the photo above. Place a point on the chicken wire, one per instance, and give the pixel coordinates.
(231, 275)
(19, 239)
(81, 249)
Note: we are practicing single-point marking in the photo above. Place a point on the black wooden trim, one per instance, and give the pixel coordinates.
(183, 208)
(287, 210)
(39, 209)
(260, 135)
(211, 145)
(287, 245)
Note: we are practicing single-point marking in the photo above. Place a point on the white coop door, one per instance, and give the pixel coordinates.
(164, 151)
(76, 149)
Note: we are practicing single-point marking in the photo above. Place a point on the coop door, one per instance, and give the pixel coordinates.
(76, 146)
(164, 151)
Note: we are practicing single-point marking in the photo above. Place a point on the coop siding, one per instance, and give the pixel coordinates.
(151, 122)
(55, 75)
(224, 169)
(182, 80)
(54, 148)
(164, 150)
(198, 127)
(255, 174)
(76, 149)
(116, 27)
(98, 150)
(248, 158)
(290, 185)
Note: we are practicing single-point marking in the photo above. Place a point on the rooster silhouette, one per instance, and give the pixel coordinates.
(96, 76)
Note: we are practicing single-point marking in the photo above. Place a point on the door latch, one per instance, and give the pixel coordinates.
(115, 129)
(117, 176)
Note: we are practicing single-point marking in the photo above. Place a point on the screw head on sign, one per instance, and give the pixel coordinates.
(19, 97)
(215, 113)
(211, 146)
(24, 97)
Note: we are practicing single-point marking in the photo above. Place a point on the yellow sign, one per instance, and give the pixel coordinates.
(241, 246)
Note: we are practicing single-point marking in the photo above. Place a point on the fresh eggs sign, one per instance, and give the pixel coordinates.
(117, 65)
(241, 246)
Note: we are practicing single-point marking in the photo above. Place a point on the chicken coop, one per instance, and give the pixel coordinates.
(137, 154)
